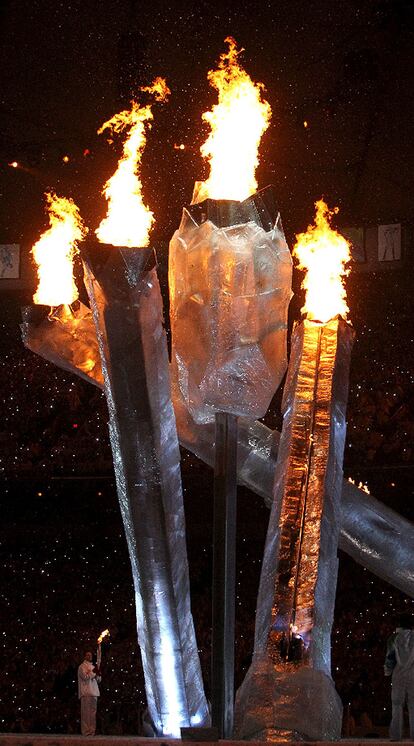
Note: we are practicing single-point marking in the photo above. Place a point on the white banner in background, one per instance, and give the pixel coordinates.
(389, 242)
(9, 261)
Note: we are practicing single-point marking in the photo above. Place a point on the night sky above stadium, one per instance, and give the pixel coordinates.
(343, 68)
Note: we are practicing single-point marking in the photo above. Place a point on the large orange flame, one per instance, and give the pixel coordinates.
(323, 253)
(129, 220)
(237, 124)
(54, 252)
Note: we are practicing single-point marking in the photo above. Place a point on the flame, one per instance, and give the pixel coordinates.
(361, 485)
(323, 253)
(62, 314)
(103, 634)
(54, 252)
(237, 124)
(158, 89)
(128, 221)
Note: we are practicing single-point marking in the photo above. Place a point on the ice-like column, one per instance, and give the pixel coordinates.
(127, 309)
(377, 538)
(288, 692)
(374, 535)
(257, 448)
(230, 284)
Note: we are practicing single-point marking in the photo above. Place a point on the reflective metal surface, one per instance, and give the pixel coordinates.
(224, 574)
(127, 309)
(374, 535)
(297, 590)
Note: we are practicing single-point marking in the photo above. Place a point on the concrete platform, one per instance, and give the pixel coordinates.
(39, 739)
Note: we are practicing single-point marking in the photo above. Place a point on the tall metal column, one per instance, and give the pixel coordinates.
(375, 536)
(224, 573)
(127, 308)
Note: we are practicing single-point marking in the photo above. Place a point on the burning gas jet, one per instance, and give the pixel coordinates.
(54, 252)
(129, 220)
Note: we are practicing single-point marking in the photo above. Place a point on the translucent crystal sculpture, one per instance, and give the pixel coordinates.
(65, 337)
(373, 534)
(230, 286)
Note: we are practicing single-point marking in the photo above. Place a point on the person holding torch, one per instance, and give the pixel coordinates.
(89, 676)
(103, 634)
(88, 691)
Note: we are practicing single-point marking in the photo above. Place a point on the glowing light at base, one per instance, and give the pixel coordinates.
(54, 252)
(237, 124)
(323, 253)
(103, 634)
(129, 221)
(174, 709)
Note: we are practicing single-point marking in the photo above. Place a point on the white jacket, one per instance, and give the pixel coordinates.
(404, 648)
(87, 684)
(400, 653)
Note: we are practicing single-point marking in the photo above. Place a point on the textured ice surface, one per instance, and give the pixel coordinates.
(256, 447)
(127, 308)
(377, 538)
(298, 578)
(229, 293)
(66, 338)
(297, 704)
(374, 535)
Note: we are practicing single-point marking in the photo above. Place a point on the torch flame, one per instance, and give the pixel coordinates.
(237, 124)
(323, 253)
(54, 252)
(129, 220)
(103, 634)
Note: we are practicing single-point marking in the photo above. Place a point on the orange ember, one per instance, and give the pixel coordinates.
(323, 253)
(237, 123)
(54, 252)
(129, 221)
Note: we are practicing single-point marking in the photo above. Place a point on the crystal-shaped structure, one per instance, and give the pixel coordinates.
(127, 309)
(288, 692)
(373, 534)
(65, 337)
(230, 286)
